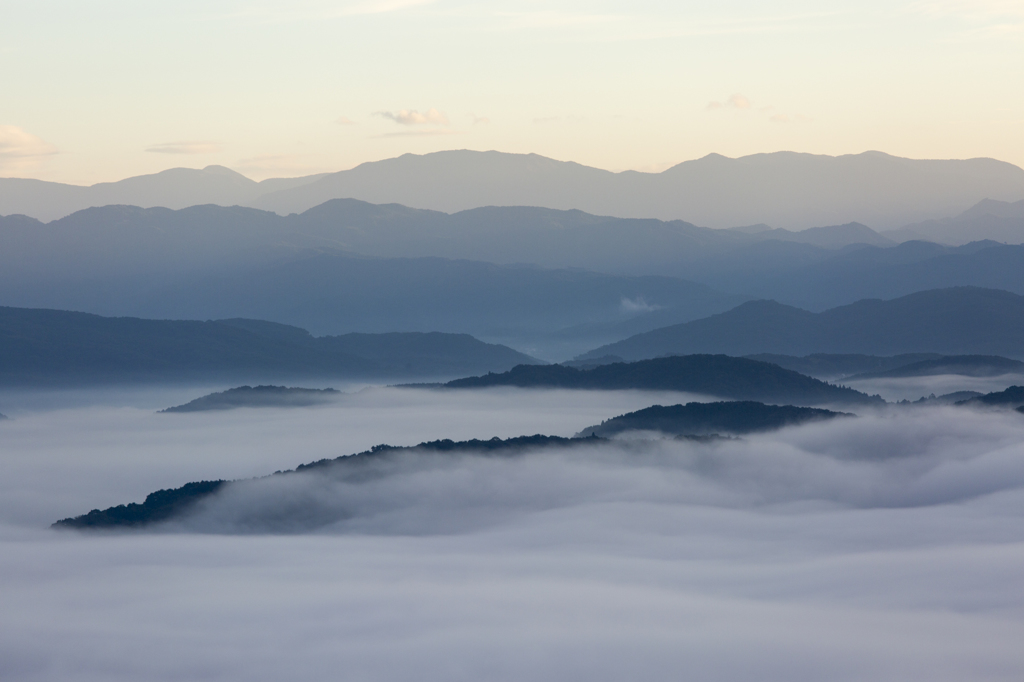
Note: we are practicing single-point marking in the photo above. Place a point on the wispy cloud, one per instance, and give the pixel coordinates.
(734, 101)
(17, 143)
(344, 121)
(977, 17)
(739, 102)
(421, 133)
(319, 10)
(188, 147)
(411, 117)
(544, 19)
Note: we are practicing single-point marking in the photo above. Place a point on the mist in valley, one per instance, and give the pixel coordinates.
(884, 547)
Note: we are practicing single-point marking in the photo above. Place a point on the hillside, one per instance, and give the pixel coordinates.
(59, 347)
(173, 188)
(1012, 397)
(714, 375)
(834, 366)
(783, 189)
(257, 396)
(817, 279)
(959, 321)
(167, 505)
(702, 419)
(964, 365)
(999, 221)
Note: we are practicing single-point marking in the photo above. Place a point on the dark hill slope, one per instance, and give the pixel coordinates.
(1011, 397)
(834, 366)
(964, 365)
(55, 347)
(718, 375)
(702, 419)
(959, 321)
(166, 505)
(257, 396)
(817, 279)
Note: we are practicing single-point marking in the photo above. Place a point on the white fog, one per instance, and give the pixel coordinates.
(887, 547)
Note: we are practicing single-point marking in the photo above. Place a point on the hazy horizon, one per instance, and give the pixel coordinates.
(279, 89)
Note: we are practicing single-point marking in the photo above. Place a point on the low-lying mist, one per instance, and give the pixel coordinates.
(914, 388)
(886, 547)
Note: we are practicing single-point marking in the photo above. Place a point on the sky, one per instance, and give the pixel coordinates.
(102, 90)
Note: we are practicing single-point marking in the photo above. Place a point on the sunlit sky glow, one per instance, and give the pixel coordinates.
(102, 90)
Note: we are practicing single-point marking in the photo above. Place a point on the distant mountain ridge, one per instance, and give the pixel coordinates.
(703, 419)
(169, 504)
(998, 221)
(53, 347)
(784, 189)
(257, 396)
(174, 188)
(957, 321)
(714, 375)
(963, 365)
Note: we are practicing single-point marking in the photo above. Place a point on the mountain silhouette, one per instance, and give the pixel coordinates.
(783, 189)
(703, 419)
(957, 321)
(714, 375)
(54, 347)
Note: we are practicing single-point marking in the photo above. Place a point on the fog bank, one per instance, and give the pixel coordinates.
(888, 547)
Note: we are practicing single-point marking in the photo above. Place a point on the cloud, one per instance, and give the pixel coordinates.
(872, 546)
(637, 305)
(977, 18)
(420, 133)
(194, 147)
(740, 102)
(734, 101)
(411, 117)
(20, 148)
(320, 10)
(479, 120)
(344, 121)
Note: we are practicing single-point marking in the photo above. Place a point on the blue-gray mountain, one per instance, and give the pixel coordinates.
(854, 366)
(784, 189)
(257, 396)
(1012, 397)
(53, 347)
(999, 221)
(212, 262)
(381, 460)
(958, 321)
(703, 419)
(963, 365)
(714, 375)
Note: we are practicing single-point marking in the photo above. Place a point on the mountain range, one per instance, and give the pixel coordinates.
(783, 189)
(714, 375)
(510, 275)
(53, 347)
(705, 419)
(999, 221)
(957, 321)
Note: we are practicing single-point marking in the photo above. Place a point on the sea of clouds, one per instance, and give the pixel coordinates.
(888, 547)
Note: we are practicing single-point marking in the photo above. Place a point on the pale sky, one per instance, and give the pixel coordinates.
(97, 90)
